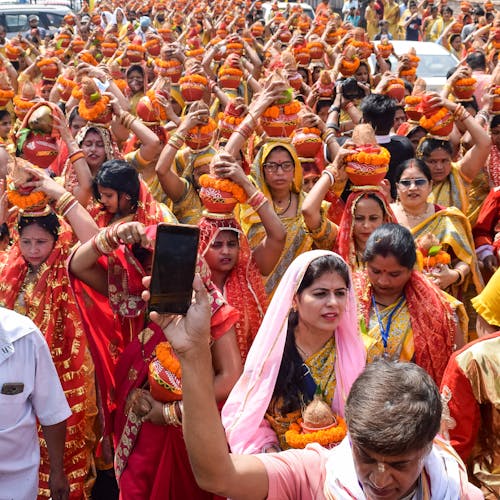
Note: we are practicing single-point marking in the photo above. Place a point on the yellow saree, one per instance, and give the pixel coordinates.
(452, 192)
(321, 366)
(298, 239)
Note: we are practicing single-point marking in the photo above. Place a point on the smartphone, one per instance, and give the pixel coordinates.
(174, 264)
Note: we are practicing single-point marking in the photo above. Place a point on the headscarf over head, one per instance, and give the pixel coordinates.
(244, 287)
(346, 246)
(110, 146)
(249, 400)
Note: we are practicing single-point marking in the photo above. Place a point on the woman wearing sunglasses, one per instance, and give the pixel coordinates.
(449, 225)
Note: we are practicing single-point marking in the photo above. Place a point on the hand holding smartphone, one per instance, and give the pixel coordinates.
(174, 265)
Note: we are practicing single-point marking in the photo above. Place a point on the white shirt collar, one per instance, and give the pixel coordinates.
(383, 139)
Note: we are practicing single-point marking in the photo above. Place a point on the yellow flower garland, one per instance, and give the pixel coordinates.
(296, 439)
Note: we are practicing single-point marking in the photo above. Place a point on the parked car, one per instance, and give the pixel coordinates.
(268, 12)
(435, 61)
(15, 17)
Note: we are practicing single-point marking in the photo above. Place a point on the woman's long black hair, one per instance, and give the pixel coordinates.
(290, 392)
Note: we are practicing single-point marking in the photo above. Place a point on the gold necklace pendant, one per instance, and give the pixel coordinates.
(284, 210)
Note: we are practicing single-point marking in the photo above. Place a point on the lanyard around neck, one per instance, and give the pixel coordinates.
(384, 332)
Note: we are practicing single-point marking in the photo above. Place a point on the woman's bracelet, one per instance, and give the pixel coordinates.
(244, 130)
(170, 415)
(176, 141)
(106, 241)
(461, 113)
(330, 176)
(257, 200)
(77, 155)
(71, 207)
(126, 119)
(254, 121)
(461, 276)
(63, 202)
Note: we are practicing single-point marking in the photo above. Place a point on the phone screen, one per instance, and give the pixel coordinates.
(174, 265)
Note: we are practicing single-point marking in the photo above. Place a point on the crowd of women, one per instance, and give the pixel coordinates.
(255, 131)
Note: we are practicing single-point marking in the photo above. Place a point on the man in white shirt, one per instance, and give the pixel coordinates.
(29, 389)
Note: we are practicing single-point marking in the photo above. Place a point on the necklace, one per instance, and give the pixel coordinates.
(427, 213)
(285, 209)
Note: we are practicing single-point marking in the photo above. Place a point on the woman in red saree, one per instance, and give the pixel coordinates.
(151, 459)
(235, 268)
(403, 315)
(34, 281)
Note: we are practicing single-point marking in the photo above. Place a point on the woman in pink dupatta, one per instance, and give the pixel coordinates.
(251, 415)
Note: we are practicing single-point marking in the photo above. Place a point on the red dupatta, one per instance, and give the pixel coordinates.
(244, 288)
(51, 305)
(113, 323)
(346, 246)
(431, 317)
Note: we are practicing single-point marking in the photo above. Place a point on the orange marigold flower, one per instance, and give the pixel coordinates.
(430, 123)
(226, 185)
(193, 78)
(90, 113)
(296, 439)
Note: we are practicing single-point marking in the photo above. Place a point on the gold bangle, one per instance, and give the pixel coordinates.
(166, 414)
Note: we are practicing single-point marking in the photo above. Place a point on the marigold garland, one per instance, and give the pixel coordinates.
(160, 110)
(193, 79)
(121, 83)
(6, 94)
(307, 130)
(430, 123)
(296, 439)
(66, 82)
(227, 70)
(97, 109)
(46, 62)
(383, 157)
(88, 58)
(168, 360)
(21, 103)
(151, 43)
(234, 46)
(349, 67)
(232, 120)
(408, 72)
(203, 129)
(173, 63)
(34, 199)
(226, 185)
(413, 100)
(12, 51)
(465, 82)
(287, 109)
(195, 52)
(136, 47)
